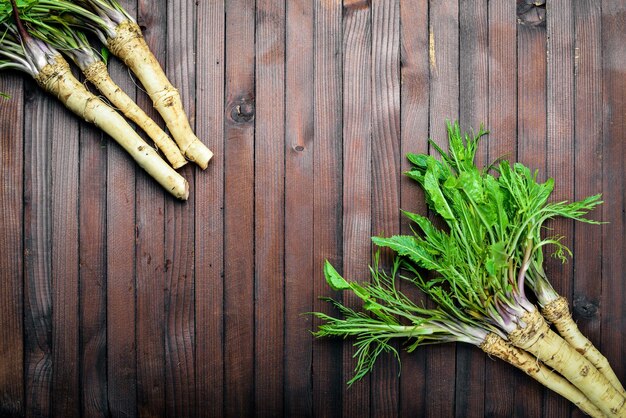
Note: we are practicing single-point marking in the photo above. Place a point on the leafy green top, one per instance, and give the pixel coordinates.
(493, 242)
(389, 314)
(479, 262)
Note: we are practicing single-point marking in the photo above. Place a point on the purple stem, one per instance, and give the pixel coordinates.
(521, 277)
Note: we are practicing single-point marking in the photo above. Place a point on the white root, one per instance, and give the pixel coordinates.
(537, 338)
(557, 312)
(130, 46)
(498, 347)
(58, 80)
(98, 75)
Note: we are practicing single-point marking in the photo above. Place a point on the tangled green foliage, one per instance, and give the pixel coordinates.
(494, 218)
(475, 266)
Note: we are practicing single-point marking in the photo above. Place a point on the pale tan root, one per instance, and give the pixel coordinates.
(130, 46)
(498, 347)
(58, 80)
(98, 75)
(557, 312)
(538, 339)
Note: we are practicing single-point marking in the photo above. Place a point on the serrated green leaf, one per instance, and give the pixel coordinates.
(407, 246)
(423, 222)
(415, 175)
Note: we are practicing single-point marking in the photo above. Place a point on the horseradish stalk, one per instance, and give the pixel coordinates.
(123, 37)
(555, 309)
(73, 43)
(389, 314)
(20, 51)
(484, 258)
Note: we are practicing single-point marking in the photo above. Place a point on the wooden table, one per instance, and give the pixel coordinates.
(116, 300)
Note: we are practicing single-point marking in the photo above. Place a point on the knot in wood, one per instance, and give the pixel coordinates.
(242, 111)
(584, 307)
(531, 12)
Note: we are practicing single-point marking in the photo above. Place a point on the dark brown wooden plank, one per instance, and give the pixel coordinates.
(385, 171)
(473, 111)
(209, 238)
(587, 260)
(37, 252)
(120, 214)
(415, 75)
(560, 146)
(357, 182)
(64, 252)
(474, 58)
(93, 273)
(613, 311)
(503, 51)
(327, 379)
(11, 245)
(299, 218)
(239, 210)
(443, 51)
(150, 251)
(531, 151)
(121, 290)
(179, 227)
(502, 143)
(270, 207)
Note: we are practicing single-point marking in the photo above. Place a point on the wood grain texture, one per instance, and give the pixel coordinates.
(12, 255)
(385, 171)
(473, 112)
(121, 291)
(587, 283)
(503, 80)
(613, 313)
(64, 266)
(531, 150)
(272, 305)
(239, 210)
(504, 49)
(150, 248)
(179, 228)
(560, 148)
(357, 183)
(443, 48)
(414, 120)
(327, 147)
(118, 301)
(93, 272)
(38, 110)
(298, 209)
(209, 211)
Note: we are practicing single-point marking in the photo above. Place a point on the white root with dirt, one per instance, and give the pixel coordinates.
(558, 314)
(500, 348)
(537, 338)
(98, 75)
(130, 46)
(58, 80)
